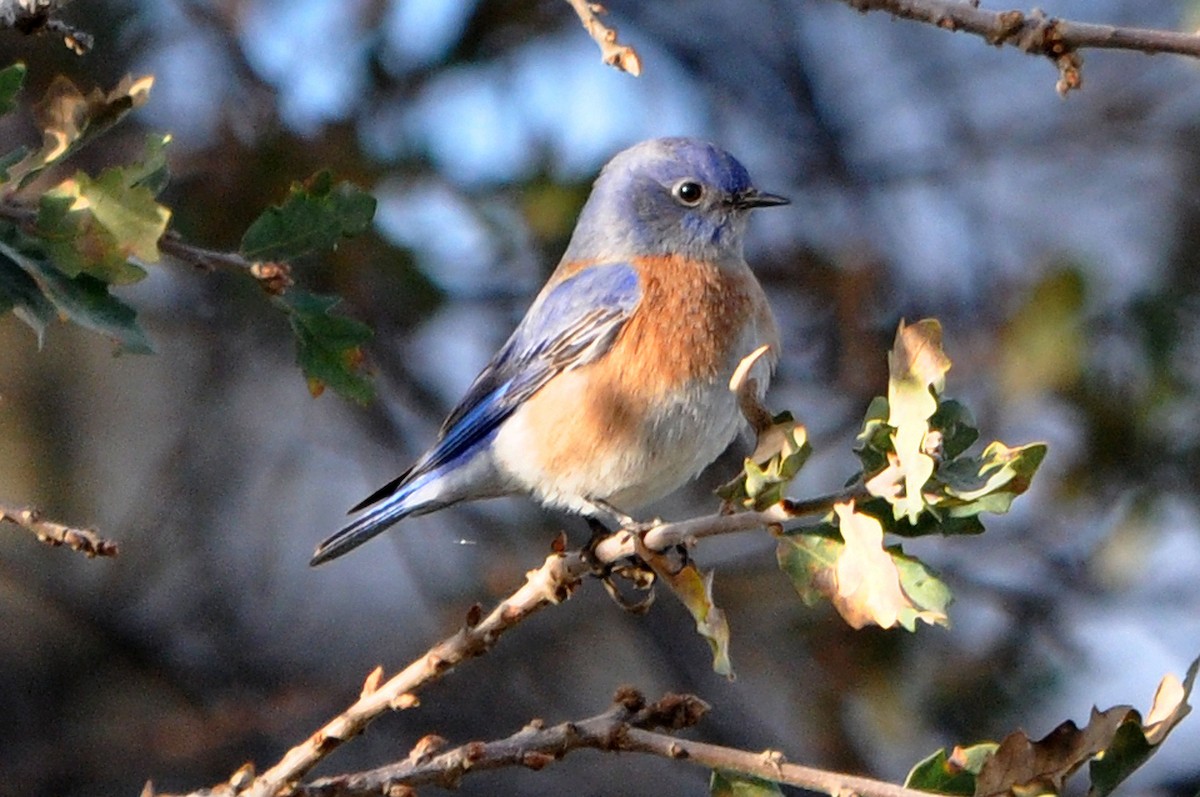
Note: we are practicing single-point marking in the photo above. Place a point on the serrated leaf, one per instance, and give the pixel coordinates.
(152, 171)
(782, 450)
(917, 369)
(952, 774)
(1114, 743)
(11, 80)
(808, 558)
(694, 590)
(999, 470)
(84, 300)
(96, 226)
(867, 583)
(70, 120)
(957, 426)
(328, 347)
(1134, 742)
(724, 783)
(20, 294)
(314, 217)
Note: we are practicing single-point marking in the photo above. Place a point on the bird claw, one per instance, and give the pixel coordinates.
(632, 569)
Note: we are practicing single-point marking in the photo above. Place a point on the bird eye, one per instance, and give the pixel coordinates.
(688, 192)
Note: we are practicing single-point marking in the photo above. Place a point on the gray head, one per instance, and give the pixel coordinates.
(668, 196)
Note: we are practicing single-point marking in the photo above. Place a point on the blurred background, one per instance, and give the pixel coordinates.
(930, 174)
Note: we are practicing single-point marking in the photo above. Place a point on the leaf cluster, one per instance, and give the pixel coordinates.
(67, 242)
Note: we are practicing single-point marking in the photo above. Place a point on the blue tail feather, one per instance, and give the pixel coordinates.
(388, 512)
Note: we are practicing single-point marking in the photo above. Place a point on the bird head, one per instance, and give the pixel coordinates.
(668, 196)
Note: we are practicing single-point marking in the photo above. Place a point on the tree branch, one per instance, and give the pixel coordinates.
(1035, 33)
(615, 54)
(86, 541)
(629, 726)
(551, 583)
(273, 277)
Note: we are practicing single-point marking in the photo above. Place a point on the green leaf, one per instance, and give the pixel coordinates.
(314, 217)
(95, 226)
(936, 520)
(957, 426)
(20, 294)
(998, 469)
(781, 452)
(929, 595)
(694, 590)
(808, 558)
(328, 347)
(84, 300)
(151, 172)
(724, 783)
(11, 80)
(1134, 742)
(875, 440)
(867, 583)
(953, 774)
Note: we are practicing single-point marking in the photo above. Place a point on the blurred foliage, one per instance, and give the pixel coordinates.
(1106, 368)
(91, 234)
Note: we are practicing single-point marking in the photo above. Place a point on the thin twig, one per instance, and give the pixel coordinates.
(629, 726)
(615, 54)
(1037, 34)
(551, 583)
(86, 541)
(273, 277)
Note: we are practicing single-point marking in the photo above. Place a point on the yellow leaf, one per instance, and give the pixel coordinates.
(868, 582)
(917, 369)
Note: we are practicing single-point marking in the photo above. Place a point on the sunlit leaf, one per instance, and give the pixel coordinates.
(867, 583)
(69, 119)
(782, 450)
(952, 774)
(1134, 742)
(917, 369)
(314, 217)
(694, 590)
(1114, 743)
(869, 590)
(734, 784)
(84, 300)
(328, 347)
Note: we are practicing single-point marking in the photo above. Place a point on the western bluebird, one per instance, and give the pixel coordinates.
(614, 389)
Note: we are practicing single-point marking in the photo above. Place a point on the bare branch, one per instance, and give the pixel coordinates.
(551, 583)
(615, 54)
(629, 726)
(1035, 33)
(86, 541)
(273, 277)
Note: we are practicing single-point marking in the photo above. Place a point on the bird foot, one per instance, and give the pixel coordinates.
(631, 569)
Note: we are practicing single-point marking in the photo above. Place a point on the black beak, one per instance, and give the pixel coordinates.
(753, 198)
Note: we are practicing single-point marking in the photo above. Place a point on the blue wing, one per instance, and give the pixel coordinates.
(572, 325)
